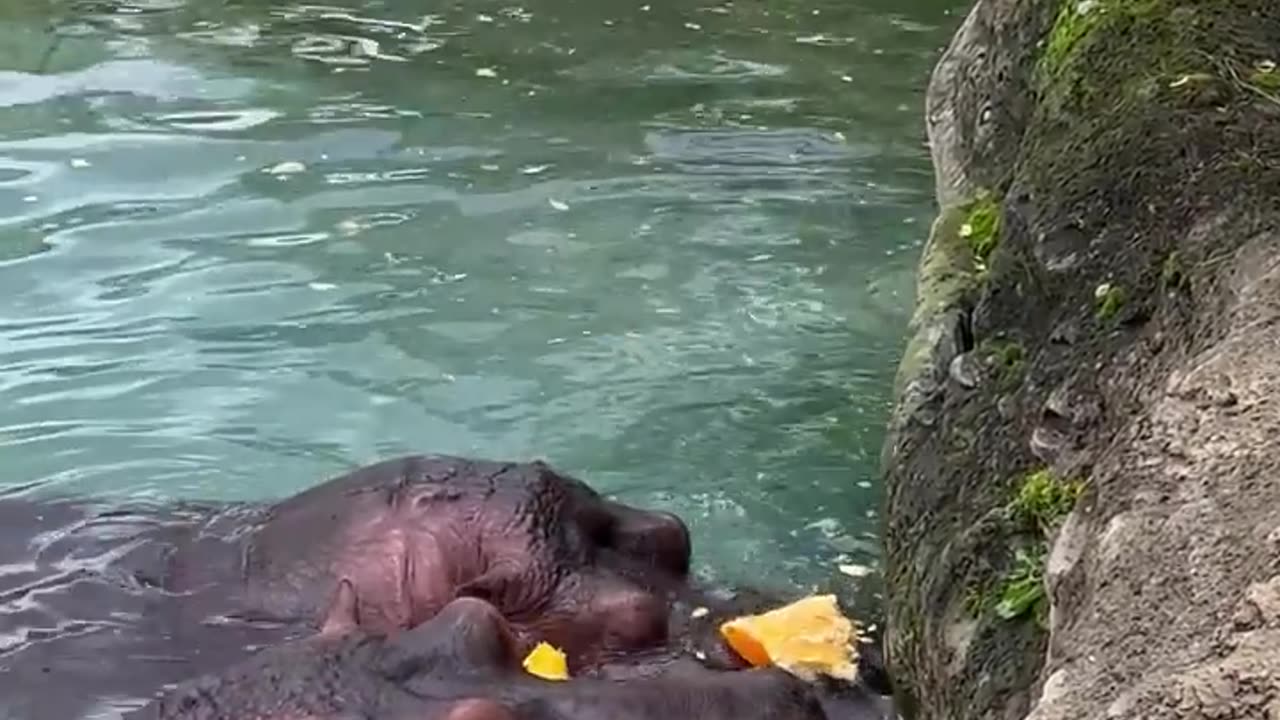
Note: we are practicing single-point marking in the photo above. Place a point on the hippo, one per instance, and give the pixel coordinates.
(174, 591)
(464, 664)
(561, 563)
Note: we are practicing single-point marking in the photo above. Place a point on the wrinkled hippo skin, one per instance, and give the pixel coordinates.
(560, 562)
(173, 592)
(464, 664)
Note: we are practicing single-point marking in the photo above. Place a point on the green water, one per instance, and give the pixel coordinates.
(666, 246)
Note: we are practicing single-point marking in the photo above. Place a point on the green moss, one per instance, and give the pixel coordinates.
(1267, 81)
(1109, 300)
(981, 228)
(1008, 353)
(1265, 76)
(1161, 46)
(1075, 20)
(1173, 276)
(1043, 499)
(1021, 590)
(1008, 357)
(944, 279)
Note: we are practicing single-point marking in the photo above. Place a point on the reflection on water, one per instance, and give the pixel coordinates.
(666, 246)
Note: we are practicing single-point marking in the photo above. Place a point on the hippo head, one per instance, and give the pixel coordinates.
(562, 563)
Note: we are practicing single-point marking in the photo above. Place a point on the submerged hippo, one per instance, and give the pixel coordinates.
(111, 606)
(464, 664)
(560, 562)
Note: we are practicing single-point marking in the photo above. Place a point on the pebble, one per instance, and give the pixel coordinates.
(1046, 443)
(965, 370)
(1065, 334)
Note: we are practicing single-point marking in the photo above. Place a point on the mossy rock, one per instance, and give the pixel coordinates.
(1138, 156)
(1043, 499)
(981, 228)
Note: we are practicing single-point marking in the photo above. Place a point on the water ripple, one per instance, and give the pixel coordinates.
(242, 248)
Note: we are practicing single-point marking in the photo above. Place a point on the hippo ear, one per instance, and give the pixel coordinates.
(342, 615)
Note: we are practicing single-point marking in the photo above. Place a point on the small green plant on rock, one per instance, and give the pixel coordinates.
(1022, 589)
(1008, 357)
(1008, 354)
(981, 228)
(1265, 76)
(1110, 299)
(1172, 275)
(1043, 500)
(1040, 502)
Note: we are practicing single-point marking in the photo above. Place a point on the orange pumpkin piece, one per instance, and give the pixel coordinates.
(809, 637)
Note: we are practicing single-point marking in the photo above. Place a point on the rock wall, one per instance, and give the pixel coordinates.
(1083, 466)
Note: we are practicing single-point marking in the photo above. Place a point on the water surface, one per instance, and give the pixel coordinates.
(667, 246)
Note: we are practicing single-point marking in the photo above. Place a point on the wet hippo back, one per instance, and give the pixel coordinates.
(88, 620)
